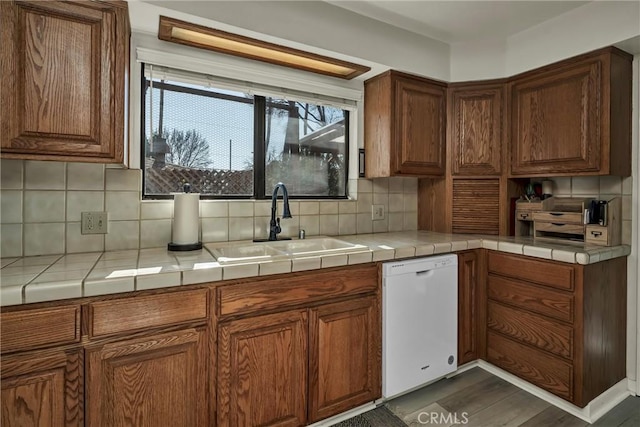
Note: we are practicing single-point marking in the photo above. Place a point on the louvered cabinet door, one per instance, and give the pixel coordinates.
(476, 206)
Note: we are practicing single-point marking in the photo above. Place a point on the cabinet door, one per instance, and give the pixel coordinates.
(476, 130)
(556, 121)
(262, 370)
(419, 128)
(467, 307)
(42, 389)
(63, 80)
(158, 380)
(344, 356)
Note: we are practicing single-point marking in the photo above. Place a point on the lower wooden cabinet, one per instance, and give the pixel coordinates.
(156, 380)
(344, 356)
(468, 304)
(42, 388)
(299, 366)
(262, 370)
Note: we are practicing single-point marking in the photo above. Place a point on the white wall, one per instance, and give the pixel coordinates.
(478, 60)
(315, 26)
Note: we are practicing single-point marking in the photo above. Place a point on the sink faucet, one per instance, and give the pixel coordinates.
(274, 224)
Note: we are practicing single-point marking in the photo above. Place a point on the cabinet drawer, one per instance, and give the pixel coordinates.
(555, 274)
(563, 217)
(548, 372)
(531, 329)
(135, 313)
(296, 289)
(597, 235)
(548, 302)
(559, 227)
(31, 329)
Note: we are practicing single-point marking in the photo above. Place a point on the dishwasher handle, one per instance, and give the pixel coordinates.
(424, 272)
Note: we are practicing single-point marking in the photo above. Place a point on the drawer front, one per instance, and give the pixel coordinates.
(31, 329)
(524, 215)
(295, 289)
(135, 313)
(597, 235)
(563, 217)
(548, 372)
(547, 273)
(547, 302)
(532, 329)
(559, 227)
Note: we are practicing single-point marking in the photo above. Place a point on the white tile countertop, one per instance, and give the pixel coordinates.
(53, 277)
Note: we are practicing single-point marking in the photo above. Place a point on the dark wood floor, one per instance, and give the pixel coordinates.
(484, 400)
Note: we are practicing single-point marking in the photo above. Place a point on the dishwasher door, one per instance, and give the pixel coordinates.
(420, 322)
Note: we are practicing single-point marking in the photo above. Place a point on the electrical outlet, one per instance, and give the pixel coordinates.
(377, 212)
(94, 222)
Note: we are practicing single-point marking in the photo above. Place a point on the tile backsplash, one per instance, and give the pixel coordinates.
(41, 204)
(600, 187)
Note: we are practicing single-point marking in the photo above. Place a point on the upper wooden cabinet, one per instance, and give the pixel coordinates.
(405, 119)
(63, 80)
(573, 117)
(475, 128)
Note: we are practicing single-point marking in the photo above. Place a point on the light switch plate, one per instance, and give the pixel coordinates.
(94, 222)
(377, 212)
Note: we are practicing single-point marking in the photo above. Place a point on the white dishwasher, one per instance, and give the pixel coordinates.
(420, 322)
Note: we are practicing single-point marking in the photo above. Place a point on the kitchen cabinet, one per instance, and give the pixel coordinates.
(155, 380)
(573, 117)
(41, 367)
(471, 304)
(320, 356)
(564, 330)
(476, 120)
(262, 370)
(344, 364)
(405, 119)
(64, 80)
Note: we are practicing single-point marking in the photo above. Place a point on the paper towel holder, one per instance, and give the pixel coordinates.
(190, 246)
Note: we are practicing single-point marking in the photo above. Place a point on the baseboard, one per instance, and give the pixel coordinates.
(590, 413)
(344, 416)
(633, 387)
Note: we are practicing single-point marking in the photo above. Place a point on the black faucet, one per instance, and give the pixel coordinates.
(274, 224)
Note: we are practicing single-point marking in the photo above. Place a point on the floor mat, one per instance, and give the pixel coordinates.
(379, 417)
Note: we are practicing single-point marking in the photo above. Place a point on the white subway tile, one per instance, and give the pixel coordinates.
(364, 225)
(347, 224)
(411, 185)
(290, 226)
(122, 205)
(396, 185)
(410, 221)
(381, 199)
(11, 207)
(328, 224)
(396, 202)
(240, 228)
(381, 225)
(122, 235)
(360, 258)
(610, 185)
(363, 205)
(83, 201)
(155, 233)
(156, 209)
(44, 206)
(44, 239)
(85, 176)
(364, 186)
(241, 209)
(561, 186)
(310, 224)
(334, 260)
(262, 208)
(44, 175)
(309, 208)
(410, 202)
(381, 185)
(214, 209)
(123, 179)
(302, 264)
(396, 221)
(11, 174)
(328, 207)
(274, 267)
(78, 242)
(348, 207)
(585, 185)
(215, 229)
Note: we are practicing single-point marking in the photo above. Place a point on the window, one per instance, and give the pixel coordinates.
(233, 142)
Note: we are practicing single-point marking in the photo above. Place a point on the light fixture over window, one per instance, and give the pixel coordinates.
(182, 32)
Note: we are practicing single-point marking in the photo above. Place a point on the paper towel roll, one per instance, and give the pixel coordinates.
(547, 187)
(186, 223)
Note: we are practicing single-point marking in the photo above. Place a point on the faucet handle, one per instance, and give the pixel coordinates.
(278, 229)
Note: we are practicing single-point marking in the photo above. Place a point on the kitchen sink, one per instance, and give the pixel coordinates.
(319, 246)
(281, 249)
(233, 254)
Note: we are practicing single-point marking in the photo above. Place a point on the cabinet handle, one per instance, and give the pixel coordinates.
(557, 224)
(556, 213)
(524, 216)
(596, 233)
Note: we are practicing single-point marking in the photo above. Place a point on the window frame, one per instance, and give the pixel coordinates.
(259, 154)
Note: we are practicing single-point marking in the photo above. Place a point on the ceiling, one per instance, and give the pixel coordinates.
(460, 21)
